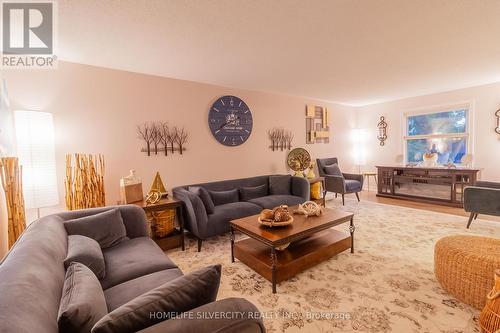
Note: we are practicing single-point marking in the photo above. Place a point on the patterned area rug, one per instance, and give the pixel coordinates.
(387, 285)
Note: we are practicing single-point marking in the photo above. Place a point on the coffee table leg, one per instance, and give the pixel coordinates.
(232, 244)
(274, 262)
(351, 230)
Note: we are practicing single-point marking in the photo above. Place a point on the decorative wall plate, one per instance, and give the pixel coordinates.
(298, 159)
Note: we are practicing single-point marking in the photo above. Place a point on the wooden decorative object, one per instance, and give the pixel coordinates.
(11, 178)
(382, 131)
(84, 181)
(281, 139)
(497, 114)
(317, 129)
(309, 208)
(159, 137)
(131, 188)
(490, 316)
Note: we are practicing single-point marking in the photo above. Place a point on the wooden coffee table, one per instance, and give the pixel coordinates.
(311, 241)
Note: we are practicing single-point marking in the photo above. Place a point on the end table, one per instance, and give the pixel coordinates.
(176, 238)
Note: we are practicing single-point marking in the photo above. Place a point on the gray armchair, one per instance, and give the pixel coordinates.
(484, 198)
(338, 182)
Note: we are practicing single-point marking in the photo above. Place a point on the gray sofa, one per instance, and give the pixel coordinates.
(483, 198)
(32, 276)
(203, 224)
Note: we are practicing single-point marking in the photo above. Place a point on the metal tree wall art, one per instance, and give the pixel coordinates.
(497, 114)
(382, 131)
(281, 139)
(159, 137)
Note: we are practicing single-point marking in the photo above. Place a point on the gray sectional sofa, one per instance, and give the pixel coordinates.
(208, 207)
(33, 273)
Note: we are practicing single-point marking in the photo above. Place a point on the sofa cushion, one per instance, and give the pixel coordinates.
(333, 170)
(248, 193)
(352, 185)
(82, 302)
(131, 259)
(124, 292)
(219, 221)
(280, 185)
(106, 228)
(86, 251)
(180, 295)
(272, 201)
(204, 196)
(224, 197)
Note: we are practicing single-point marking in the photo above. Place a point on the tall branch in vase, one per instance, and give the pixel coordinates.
(181, 138)
(145, 132)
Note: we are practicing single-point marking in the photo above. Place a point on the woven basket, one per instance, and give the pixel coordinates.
(490, 316)
(465, 266)
(162, 222)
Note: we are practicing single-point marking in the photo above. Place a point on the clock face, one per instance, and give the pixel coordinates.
(230, 121)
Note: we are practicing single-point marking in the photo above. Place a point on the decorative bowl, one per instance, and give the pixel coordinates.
(271, 223)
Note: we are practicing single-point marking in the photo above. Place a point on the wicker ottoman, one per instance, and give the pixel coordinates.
(465, 265)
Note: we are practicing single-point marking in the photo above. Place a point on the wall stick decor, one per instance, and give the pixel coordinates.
(84, 181)
(159, 137)
(497, 114)
(317, 129)
(382, 131)
(281, 139)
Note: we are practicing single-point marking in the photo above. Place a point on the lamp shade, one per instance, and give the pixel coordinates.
(359, 146)
(36, 152)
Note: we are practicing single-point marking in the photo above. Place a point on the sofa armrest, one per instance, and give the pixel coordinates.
(335, 184)
(134, 218)
(301, 188)
(195, 214)
(230, 315)
(482, 200)
(481, 183)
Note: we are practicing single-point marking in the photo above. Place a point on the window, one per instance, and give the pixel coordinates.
(443, 132)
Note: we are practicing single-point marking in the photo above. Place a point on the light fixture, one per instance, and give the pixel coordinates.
(359, 145)
(36, 152)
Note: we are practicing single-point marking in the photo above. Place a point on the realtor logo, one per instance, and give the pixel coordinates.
(28, 34)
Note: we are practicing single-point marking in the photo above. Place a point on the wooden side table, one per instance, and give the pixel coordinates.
(367, 175)
(322, 181)
(176, 238)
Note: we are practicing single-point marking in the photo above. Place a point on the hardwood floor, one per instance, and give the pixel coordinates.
(371, 196)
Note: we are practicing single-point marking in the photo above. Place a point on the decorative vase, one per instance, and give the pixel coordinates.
(490, 316)
(430, 159)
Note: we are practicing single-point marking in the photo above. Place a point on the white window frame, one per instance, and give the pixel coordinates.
(439, 109)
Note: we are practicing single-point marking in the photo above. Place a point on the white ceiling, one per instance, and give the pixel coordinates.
(348, 51)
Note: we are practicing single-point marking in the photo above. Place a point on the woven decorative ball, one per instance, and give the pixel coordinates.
(465, 266)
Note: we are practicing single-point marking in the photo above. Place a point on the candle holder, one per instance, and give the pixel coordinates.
(382, 131)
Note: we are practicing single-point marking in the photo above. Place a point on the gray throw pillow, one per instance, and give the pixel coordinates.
(280, 185)
(86, 251)
(333, 170)
(180, 295)
(224, 197)
(204, 196)
(82, 303)
(106, 228)
(249, 193)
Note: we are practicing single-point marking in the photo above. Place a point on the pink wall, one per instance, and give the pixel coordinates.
(96, 110)
(485, 100)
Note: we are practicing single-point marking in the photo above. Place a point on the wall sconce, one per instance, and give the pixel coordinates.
(382, 131)
(497, 114)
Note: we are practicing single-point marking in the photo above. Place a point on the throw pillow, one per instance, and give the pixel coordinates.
(86, 251)
(224, 197)
(106, 228)
(204, 196)
(333, 170)
(280, 185)
(249, 193)
(82, 302)
(180, 295)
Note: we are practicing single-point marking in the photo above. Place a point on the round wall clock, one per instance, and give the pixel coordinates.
(230, 120)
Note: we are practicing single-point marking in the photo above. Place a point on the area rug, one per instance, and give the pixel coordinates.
(387, 285)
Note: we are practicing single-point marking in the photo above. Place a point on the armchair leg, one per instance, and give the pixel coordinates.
(471, 217)
(199, 244)
(343, 201)
(357, 195)
(335, 195)
(475, 216)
